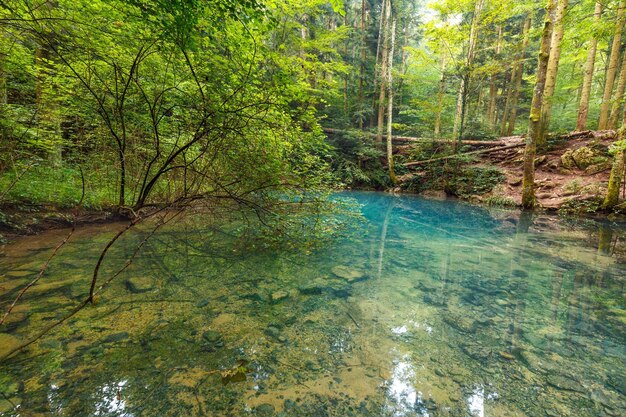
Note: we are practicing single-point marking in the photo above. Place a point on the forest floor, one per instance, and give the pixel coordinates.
(573, 172)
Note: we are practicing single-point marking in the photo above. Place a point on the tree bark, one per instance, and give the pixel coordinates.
(617, 171)
(363, 53)
(440, 95)
(619, 96)
(583, 108)
(457, 131)
(519, 73)
(552, 70)
(390, 164)
(534, 122)
(493, 89)
(385, 15)
(612, 68)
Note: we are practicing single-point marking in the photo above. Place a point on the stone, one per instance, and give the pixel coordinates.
(567, 160)
(275, 333)
(598, 167)
(347, 273)
(138, 285)
(278, 296)
(584, 157)
(212, 336)
(311, 288)
(506, 355)
(565, 383)
(115, 337)
(264, 410)
(8, 343)
(515, 182)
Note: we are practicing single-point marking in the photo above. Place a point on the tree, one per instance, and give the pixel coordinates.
(552, 70)
(612, 67)
(583, 110)
(534, 122)
(457, 131)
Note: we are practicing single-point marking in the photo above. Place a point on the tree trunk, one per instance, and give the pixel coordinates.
(583, 109)
(385, 16)
(534, 120)
(519, 73)
(493, 89)
(362, 66)
(552, 70)
(377, 67)
(390, 165)
(457, 131)
(440, 95)
(617, 171)
(619, 95)
(612, 68)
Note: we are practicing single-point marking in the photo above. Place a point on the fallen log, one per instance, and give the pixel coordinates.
(397, 138)
(499, 148)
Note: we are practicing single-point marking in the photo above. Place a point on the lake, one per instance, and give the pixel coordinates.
(428, 308)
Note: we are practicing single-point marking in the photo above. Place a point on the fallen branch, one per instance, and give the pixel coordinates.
(396, 138)
(499, 148)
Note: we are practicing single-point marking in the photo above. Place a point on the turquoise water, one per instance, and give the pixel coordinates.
(430, 308)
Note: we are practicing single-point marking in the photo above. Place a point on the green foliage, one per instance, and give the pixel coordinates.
(61, 187)
(474, 181)
(581, 206)
(356, 160)
(499, 201)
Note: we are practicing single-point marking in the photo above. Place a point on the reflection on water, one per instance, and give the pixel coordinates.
(433, 308)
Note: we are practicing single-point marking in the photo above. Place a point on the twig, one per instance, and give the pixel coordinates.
(353, 320)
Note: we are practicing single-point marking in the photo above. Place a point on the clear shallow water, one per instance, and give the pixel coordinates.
(433, 308)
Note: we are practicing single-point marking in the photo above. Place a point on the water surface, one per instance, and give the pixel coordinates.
(431, 308)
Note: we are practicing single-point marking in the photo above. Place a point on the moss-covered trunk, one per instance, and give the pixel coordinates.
(534, 123)
(617, 171)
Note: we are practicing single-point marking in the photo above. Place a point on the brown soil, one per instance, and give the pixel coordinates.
(27, 220)
(556, 183)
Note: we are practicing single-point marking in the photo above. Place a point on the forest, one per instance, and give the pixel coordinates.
(149, 102)
(418, 204)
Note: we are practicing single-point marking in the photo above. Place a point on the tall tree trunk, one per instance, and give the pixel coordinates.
(383, 71)
(390, 164)
(440, 94)
(617, 171)
(403, 62)
(457, 130)
(583, 108)
(619, 96)
(363, 54)
(552, 70)
(377, 67)
(519, 74)
(493, 89)
(534, 120)
(612, 68)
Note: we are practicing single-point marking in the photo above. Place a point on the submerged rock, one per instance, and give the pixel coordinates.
(565, 383)
(278, 296)
(139, 284)
(8, 343)
(264, 410)
(212, 340)
(349, 274)
(116, 337)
